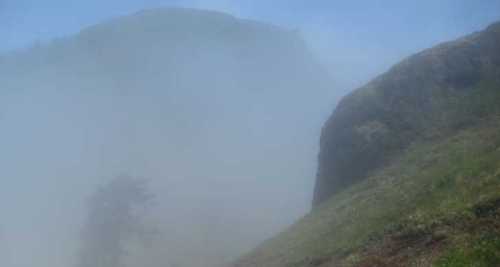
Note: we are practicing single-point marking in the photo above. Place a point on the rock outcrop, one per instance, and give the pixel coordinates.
(420, 98)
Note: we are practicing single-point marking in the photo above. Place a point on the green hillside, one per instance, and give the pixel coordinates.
(434, 199)
(439, 203)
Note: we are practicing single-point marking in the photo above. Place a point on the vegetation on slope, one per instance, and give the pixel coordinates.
(437, 204)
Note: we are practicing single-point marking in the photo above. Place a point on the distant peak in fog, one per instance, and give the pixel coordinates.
(183, 19)
(214, 110)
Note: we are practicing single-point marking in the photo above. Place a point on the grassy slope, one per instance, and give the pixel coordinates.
(436, 205)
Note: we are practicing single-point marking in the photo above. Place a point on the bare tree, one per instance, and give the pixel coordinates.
(112, 221)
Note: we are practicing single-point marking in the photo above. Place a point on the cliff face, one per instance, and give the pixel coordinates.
(415, 100)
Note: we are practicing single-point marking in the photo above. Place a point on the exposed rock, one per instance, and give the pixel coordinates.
(421, 97)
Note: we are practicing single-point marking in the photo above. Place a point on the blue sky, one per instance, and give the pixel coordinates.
(24, 21)
(363, 37)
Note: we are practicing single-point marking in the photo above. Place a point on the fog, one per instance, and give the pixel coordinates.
(226, 142)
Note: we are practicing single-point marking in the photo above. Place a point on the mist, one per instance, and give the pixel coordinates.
(227, 140)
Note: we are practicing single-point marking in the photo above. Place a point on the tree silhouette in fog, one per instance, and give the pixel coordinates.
(113, 220)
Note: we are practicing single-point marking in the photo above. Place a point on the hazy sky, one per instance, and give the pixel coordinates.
(364, 37)
(355, 39)
(25, 21)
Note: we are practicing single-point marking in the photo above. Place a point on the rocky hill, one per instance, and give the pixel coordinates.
(416, 100)
(409, 169)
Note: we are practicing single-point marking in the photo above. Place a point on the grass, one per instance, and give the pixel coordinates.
(432, 187)
(480, 252)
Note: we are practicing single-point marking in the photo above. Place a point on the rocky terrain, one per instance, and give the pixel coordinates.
(409, 168)
(411, 102)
